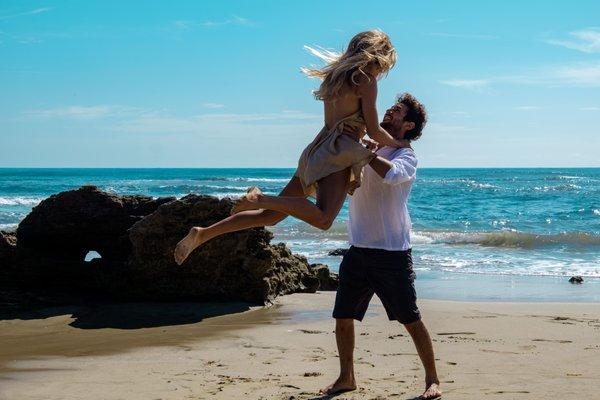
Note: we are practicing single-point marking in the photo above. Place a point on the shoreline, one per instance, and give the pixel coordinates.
(505, 349)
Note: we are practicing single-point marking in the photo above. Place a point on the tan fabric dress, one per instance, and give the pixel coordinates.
(332, 151)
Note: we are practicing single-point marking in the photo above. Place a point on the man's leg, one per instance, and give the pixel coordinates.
(344, 336)
(351, 302)
(392, 275)
(422, 340)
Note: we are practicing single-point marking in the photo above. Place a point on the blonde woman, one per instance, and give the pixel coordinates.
(331, 165)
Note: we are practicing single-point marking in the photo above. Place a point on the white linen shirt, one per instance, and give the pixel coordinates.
(378, 210)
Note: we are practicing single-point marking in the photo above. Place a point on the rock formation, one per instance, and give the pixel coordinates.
(240, 266)
(135, 237)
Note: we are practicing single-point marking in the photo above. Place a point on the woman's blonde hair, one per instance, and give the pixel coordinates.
(364, 48)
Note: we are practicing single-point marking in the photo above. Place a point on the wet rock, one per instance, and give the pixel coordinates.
(327, 280)
(338, 252)
(235, 266)
(576, 280)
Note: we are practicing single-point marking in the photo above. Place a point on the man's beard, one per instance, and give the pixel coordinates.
(389, 127)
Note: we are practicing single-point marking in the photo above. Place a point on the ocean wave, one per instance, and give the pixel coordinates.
(558, 188)
(20, 201)
(507, 239)
(463, 181)
(269, 180)
(8, 227)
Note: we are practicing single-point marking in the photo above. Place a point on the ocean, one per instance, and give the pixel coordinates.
(478, 234)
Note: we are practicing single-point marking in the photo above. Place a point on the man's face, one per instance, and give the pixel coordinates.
(393, 120)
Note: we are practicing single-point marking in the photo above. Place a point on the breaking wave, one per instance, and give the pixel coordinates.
(507, 239)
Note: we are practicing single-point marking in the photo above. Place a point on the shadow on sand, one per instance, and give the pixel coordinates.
(117, 315)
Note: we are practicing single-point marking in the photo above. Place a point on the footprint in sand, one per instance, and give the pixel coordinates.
(511, 392)
(498, 351)
(395, 336)
(310, 331)
(552, 340)
(307, 374)
(455, 333)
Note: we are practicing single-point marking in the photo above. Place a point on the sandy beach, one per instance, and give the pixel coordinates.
(287, 351)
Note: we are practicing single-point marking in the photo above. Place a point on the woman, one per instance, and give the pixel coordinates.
(332, 163)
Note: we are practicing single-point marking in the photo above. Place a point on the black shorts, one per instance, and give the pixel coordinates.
(389, 274)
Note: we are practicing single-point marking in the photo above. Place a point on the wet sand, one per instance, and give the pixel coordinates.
(287, 351)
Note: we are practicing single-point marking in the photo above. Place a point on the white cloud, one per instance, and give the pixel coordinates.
(234, 20)
(585, 40)
(471, 84)
(573, 75)
(213, 105)
(590, 108)
(166, 123)
(440, 127)
(585, 74)
(463, 36)
(528, 108)
(83, 112)
(32, 12)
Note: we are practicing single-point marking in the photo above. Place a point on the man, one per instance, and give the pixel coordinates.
(379, 259)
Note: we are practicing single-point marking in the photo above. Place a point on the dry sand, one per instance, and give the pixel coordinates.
(287, 351)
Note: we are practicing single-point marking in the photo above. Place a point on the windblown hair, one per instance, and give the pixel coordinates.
(415, 112)
(364, 48)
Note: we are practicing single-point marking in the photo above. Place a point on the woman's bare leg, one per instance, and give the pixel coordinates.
(331, 192)
(243, 220)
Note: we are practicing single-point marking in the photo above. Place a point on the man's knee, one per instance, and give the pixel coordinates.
(414, 327)
(343, 324)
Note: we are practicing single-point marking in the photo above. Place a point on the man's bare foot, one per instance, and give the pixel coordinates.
(193, 239)
(250, 201)
(432, 392)
(341, 385)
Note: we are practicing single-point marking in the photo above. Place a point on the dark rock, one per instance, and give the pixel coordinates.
(53, 240)
(8, 245)
(135, 237)
(327, 280)
(338, 252)
(66, 226)
(576, 279)
(8, 252)
(236, 266)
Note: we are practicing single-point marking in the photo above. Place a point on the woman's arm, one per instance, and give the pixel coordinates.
(368, 95)
(401, 169)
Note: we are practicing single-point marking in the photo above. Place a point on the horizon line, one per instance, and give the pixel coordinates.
(432, 167)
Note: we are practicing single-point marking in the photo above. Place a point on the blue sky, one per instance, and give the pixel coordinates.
(217, 84)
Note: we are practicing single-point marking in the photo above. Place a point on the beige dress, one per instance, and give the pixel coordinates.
(332, 151)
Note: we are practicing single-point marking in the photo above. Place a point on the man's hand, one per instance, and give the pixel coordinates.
(370, 144)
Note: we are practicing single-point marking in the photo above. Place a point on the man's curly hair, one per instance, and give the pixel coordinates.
(415, 112)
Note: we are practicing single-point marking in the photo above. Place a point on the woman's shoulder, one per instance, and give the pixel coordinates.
(365, 84)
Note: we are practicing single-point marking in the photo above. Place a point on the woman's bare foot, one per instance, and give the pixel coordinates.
(341, 385)
(432, 392)
(193, 239)
(250, 201)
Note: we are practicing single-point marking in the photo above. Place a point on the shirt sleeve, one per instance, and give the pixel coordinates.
(404, 168)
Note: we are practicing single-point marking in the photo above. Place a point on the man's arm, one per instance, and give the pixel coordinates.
(402, 168)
